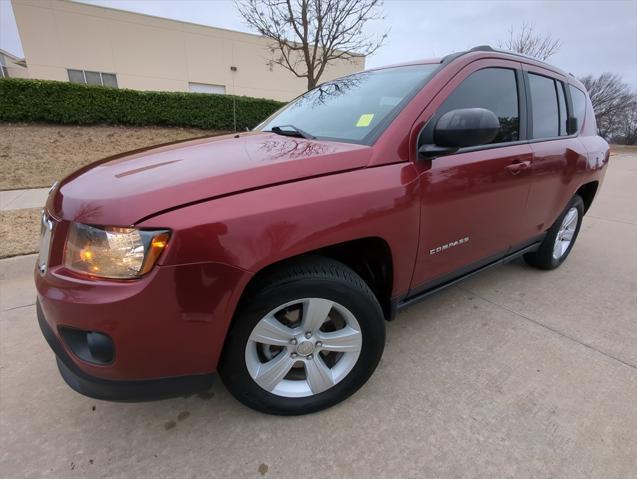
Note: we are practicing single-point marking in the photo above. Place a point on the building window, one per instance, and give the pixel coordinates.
(92, 78)
(4, 73)
(207, 88)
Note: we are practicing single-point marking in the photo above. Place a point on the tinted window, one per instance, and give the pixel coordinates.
(353, 108)
(546, 117)
(579, 105)
(561, 100)
(492, 88)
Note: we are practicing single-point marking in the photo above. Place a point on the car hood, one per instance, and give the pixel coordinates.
(123, 189)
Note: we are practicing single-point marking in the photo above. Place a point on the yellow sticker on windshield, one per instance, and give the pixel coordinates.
(365, 119)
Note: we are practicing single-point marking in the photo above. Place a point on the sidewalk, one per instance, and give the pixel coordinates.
(18, 199)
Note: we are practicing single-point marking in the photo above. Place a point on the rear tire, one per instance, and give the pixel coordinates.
(560, 238)
(306, 337)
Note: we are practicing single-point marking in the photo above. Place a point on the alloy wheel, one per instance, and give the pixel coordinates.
(303, 347)
(565, 233)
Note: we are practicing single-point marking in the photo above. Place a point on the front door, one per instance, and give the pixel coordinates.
(474, 201)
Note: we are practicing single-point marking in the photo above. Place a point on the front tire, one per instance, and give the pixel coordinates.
(306, 337)
(560, 238)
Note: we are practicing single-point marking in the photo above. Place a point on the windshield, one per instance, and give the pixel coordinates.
(356, 108)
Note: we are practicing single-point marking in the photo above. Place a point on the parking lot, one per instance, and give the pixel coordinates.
(513, 373)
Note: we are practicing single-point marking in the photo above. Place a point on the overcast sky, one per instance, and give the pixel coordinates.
(596, 36)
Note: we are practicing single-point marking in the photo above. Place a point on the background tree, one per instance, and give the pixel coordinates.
(308, 35)
(614, 104)
(528, 42)
(627, 134)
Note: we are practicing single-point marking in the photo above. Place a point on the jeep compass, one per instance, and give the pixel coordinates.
(275, 256)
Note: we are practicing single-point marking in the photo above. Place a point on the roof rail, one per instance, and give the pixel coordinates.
(487, 48)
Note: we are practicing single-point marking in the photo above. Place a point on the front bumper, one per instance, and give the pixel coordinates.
(111, 390)
(169, 324)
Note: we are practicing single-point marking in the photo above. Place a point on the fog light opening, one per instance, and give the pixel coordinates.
(89, 346)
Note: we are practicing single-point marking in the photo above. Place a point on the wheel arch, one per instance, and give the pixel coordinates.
(587, 192)
(369, 257)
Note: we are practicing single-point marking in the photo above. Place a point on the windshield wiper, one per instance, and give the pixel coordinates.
(291, 130)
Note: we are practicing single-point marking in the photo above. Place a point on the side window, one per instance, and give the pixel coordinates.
(544, 105)
(561, 99)
(579, 105)
(492, 88)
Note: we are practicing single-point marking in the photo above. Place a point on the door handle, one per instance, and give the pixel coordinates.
(517, 166)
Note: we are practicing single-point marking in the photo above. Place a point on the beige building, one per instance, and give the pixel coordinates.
(69, 41)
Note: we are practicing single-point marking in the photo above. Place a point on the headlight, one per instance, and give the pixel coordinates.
(113, 252)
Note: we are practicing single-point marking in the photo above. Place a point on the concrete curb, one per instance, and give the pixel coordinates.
(20, 199)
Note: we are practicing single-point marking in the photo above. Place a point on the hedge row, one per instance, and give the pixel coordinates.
(68, 103)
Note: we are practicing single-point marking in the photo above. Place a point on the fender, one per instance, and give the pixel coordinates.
(261, 227)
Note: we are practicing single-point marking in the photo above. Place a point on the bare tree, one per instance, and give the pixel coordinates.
(627, 134)
(528, 42)
(308, 35)
(613, 102)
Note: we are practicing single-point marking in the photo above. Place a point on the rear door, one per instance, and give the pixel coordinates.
(473, 201)
(556, 151)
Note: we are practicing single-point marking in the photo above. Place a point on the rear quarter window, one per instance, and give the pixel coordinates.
(578, 97)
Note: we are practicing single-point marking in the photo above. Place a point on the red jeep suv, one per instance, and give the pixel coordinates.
(275, 256)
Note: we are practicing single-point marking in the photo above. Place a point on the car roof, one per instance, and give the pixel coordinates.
(486, 51)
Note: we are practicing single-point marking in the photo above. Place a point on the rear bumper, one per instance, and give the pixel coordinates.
(112, 390)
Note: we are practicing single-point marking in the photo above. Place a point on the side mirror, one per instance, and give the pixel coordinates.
(460, 129)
